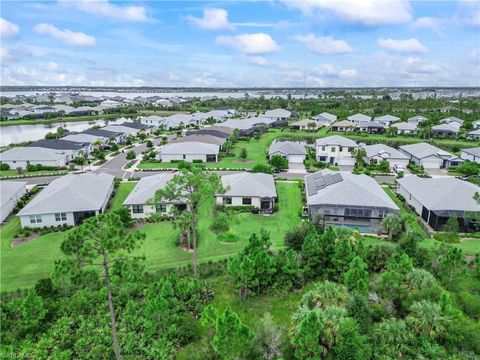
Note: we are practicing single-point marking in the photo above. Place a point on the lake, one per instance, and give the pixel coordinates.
(21, 133)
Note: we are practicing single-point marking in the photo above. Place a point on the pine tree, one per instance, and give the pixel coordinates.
(356, 278)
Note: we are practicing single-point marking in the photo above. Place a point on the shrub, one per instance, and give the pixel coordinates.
(131, 155)
(279, 163)
(469, 168)
(4, 166)
(220, 223)
(260, 168)
(229, 237)
(197, 161)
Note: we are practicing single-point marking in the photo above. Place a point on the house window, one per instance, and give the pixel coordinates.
(350, 149)
(227, 200)
(332, 149)
(61, 217)
(35, 219)
(246, 201)
(322, 158)
(341, 148)
(184, 156)
(161, 208)
(137, 209)
(323, 148)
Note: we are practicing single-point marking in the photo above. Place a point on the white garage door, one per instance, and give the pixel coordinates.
(431, 163)
(296, 159)
(346, 161)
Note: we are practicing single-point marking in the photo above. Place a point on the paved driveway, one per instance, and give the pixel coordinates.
(296, 168)
(437, 172)
(348, 168)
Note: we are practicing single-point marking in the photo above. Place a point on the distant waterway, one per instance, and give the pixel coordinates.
(21, 133)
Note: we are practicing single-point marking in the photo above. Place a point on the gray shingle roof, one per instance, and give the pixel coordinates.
(473, 151)
(347, 189)
(249, 184)
(423, 150)
(386, 118)
(359, 117)
(417, 118)
(59, 144)
(445, 193)
(281, 113)
(69, 193)
(189, 148)
(208, 139)
(8, 189)
(406, 126)
(287, 148)
(84, 138)
(34, 154)
(446, 127)
(245, 124)
(372, 124)
(384, 151)
(326, 117)
(335, 140)
(146, 188)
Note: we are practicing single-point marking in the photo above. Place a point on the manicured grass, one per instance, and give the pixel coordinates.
(121, 194)
(25, 264)
(8, 231)
(13, 172)
(469, 246)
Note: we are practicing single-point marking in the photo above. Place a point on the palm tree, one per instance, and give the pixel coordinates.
(426, 317)
(393, 225)
(360, 154)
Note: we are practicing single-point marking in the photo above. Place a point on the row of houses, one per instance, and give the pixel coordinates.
(60, 152)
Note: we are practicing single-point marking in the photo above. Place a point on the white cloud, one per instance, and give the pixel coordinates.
(367, 12)
(418, 66)
(408, 45)
(8, 30)
(325, 69)
(257, 43)
(256, 60)
(348, 73)
(324, 45)
(66, 36)
(213, 19)
(105, 8)
(8, 55)
(48, 66)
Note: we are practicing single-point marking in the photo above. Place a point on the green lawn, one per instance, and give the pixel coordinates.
(121, 194)
(23, 265)
(469, 246)
(13, 172)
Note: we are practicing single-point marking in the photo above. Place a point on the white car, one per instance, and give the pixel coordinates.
(398, 169)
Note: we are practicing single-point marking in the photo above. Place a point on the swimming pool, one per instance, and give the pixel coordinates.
(361, 228)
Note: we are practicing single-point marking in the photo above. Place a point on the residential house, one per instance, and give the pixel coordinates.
(475, 134)
(358, 119)
(336, 150)
(406, 128)
(79, 148)
(294, 152)
(94, 140)
(249, 126)
(471, 154)
(379, 152)
(177, 121)
(280, 116)
(189, 152)
(141, 200)
(446, 130)
(372, 127)
(121, 128)
(325, 119)
(147, 129)
(344, 126)
(386, 120)
(437, 199)
(116, 137)
(21, 157)
(68, 200)
(429, 156)
(154, 120)
(214, 130)
(345, 199)
(208, 139)
(10, 193)
(452, 120)
(249, 189)
(417, 119)
(306, 124)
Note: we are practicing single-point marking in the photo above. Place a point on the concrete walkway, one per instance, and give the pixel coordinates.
(296, 168)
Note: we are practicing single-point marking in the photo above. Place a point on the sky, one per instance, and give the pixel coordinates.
(284, 43)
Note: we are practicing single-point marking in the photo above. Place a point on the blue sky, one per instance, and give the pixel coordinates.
(286, 43)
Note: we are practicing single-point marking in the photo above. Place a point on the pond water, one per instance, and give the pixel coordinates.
(21, 133)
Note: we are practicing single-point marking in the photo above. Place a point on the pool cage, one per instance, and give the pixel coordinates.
(467, 221)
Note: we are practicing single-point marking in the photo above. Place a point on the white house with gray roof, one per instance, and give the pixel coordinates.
(379, 152)
(325, 118)
(452, 120)
(429, 156)
(471, 154)
(358, 119)
(10, 193)
(294, 152)
(336, 150)
(475, 134)
(436, 199)
(446, 130)
(190, 152)
(406, 127)
(141, 200)
(21, 157)
(70, 199)
(417, 119)
(87, 138)
(278, 114)
(249, 189)
(386, 120)
(343, 198)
